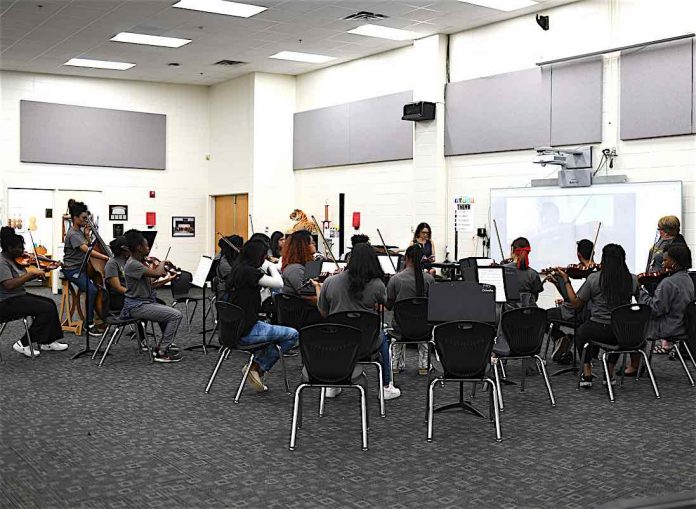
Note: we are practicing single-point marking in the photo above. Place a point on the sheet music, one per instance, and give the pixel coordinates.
(386, 265)
(202, 271)
(331, 267)
(484, 262)
(494, 276)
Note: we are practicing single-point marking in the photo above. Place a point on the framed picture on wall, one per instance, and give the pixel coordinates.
(183, 226)
(118, 212)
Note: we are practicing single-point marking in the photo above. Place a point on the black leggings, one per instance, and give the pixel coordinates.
(596, 332)
(45, 327)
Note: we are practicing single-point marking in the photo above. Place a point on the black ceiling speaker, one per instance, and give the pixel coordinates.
(542, 21)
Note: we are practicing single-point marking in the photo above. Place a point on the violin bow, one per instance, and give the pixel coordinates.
(594, 244)
(652, 251)
(33, 248)
(497, 235)
(386, 251)
(224, 239)
(251, 222)
(326, 244)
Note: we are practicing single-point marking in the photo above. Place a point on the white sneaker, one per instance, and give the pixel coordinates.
(26, 350)
(55, 346)
(391, 392)
(332, 392)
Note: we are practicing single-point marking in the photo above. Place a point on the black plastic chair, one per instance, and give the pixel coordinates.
(464, 349)
(230, 328)
(330, 355)
(370, 325)
(524, 330)
(114, 303)
(181, 293)
(293, 311)
(683, 341)
(628, 323)
(11, 318)
(414, 329)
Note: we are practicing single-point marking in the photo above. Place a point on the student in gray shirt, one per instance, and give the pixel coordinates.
(114, 270)
(529, 281)
(15, 302)
(226, 258)
(611, 287)
(671, 296)
(299, 249)
(410, 282)
(141, 300)
(359, 288)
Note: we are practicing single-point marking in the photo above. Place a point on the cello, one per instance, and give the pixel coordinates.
(96, 266)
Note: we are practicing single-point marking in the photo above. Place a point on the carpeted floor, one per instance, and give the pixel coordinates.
(134, 434)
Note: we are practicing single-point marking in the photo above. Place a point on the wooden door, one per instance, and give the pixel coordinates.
(231, 216)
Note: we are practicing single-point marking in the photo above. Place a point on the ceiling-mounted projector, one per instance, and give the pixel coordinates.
(574, 158)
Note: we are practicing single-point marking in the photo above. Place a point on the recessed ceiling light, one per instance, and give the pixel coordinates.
(385, 33)
(221, 7)
(150, 40)
(502, 5)
(302, 57)
(99, 64)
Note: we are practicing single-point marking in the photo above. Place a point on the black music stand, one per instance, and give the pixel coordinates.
(83, 271)
(461, 300)
(208, 278)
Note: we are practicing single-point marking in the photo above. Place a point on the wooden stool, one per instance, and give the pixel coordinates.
(69, 305)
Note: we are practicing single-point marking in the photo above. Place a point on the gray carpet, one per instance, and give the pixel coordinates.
(134, 434)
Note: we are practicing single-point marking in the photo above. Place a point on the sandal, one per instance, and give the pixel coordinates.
(659, 350)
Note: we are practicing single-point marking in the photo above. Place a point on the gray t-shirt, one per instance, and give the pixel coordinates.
(403, 285)
(335, 296)
(138, 285)
(115, 268)
(600, 311)
(9, 270)
(72, 255)
(293, 277)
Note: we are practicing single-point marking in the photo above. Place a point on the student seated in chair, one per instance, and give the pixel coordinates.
(529, 281)
(15, 302)
(250, 273)
(410, 282)
(299, 249)
(359, 288)
(671, 296)
(114, 268)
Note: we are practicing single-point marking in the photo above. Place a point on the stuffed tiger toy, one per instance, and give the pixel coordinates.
(302, 222)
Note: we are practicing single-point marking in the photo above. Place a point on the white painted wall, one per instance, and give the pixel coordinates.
(180, 189)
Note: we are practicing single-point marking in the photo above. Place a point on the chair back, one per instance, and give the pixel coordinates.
(368, 323)
(524, 330)
(690, 320)
(182, 285)
(464, 348)
(230, 323)
(628, 323)
(291, 310)
(412, 316)
(330, 352)
(114, 301)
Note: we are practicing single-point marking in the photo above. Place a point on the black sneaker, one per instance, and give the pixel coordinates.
(167, 356)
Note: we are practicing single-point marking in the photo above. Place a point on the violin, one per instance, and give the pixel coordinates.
(170, 269)
(44, 263)
(574, 270)
(654, 277)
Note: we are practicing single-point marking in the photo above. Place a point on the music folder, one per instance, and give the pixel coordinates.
(449, 301)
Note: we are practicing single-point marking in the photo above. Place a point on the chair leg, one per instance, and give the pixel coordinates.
(380, 388)
(623, 369)
(295, 413)
(610, 389)
(101, 341)
(502, 369)
(26, 328)
(193, 313)
(221, 358)
(285, 373)
(244, 378)
(523, 383)
(188, 319)
(546, 380)
(322, 401)
(299, 419)
(582, 364)
(650, 374)
(497, 384)
(496, 414)
(363, 415)
(116, 332)
(686, 347)
(430, 408)
(681, 359)
(2, 328)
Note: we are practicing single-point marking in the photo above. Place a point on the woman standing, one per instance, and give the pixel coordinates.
(423, 237)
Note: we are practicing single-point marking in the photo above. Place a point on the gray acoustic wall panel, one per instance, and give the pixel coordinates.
(320, 137)
(376, 131)
(78, 135)
(576, 103)
(693, 84)
(656, 91)
(504, 112)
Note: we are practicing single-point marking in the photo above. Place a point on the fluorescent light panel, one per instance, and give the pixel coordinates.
(302, 57)
(99, 64)
(150, 40)
(385, 33)
(221, 7)
(502, 5)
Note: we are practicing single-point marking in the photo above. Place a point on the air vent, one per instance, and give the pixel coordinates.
(365, 16)
(228, 63)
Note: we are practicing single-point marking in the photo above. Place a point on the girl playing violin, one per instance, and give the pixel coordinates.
(529, 281)
(16, 302)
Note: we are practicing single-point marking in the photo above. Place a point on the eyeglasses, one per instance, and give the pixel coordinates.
(425, 231)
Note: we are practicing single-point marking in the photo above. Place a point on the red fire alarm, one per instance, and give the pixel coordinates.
(152, 194)
(356, 220)
(150, 219)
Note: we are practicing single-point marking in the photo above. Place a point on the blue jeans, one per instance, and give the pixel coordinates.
(262, 332)
(385, 360)
(85, 285)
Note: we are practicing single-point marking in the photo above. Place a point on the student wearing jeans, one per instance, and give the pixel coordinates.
(141, 300)
(359, 288)
(250, 274)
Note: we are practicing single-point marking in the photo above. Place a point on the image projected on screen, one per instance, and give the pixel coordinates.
(554, 219)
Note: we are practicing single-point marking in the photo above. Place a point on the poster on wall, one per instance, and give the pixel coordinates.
(118, 212)
(464, 214)
(183, 226)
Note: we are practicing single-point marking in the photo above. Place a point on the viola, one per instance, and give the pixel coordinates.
(654, 277)
(44, 263)
(574, 270)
